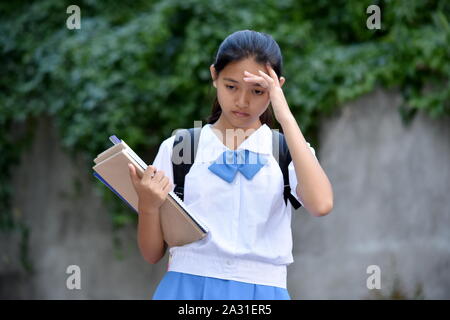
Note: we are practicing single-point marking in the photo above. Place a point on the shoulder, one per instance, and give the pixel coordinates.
(291, 164)
(167, 144)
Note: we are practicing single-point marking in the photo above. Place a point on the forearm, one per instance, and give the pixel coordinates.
(313, 188)
(150, 236)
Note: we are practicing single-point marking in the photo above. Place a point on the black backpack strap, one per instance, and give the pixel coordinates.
(281, 153)
(189, 141)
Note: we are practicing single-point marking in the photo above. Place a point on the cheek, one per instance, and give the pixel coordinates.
(263, 102)
(262, 106)
(223, 97)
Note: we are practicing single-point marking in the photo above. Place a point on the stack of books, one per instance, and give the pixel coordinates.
(178, 224)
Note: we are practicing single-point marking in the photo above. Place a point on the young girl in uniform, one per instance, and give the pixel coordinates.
(249, 244)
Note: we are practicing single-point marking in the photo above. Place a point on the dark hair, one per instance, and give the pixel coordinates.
(247, 44)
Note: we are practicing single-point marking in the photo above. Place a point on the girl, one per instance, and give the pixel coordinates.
(249, 244)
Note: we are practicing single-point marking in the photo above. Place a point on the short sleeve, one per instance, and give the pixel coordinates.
(293, 176)
(163, 159)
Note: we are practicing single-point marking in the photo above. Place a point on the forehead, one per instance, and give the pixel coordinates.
(235, 70)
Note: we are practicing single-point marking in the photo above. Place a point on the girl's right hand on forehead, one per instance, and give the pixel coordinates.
(152, 187)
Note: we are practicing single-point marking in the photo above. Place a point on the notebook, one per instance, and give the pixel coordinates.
(178, 224)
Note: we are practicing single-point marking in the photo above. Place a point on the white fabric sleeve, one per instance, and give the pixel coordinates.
(293, 176)
(163, 159)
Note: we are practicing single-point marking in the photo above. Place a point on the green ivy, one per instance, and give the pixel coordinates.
(141, 69)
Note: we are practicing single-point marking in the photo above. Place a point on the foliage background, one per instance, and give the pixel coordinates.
(140, 69)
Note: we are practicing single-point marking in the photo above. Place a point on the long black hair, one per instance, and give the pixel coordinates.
(247, 44)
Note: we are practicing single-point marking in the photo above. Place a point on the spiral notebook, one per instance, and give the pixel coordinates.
(178, 224)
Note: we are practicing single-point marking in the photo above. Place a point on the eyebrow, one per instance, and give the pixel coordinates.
(232, 80)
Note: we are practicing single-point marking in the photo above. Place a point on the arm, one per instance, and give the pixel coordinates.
(150, 237)
(313, 188)
(152, 190)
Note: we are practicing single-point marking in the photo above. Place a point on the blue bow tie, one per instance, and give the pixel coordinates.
(230, 162)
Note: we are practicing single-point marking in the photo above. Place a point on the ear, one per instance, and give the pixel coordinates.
(213, 75)
(282, 81)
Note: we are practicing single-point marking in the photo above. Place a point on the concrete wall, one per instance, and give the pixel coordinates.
(68, 227)
(391, 209)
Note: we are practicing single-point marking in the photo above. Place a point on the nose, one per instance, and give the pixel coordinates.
(243, 101)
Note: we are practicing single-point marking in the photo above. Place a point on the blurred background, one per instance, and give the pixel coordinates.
(374, 103)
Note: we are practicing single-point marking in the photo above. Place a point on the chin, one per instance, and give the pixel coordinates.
(241, 124)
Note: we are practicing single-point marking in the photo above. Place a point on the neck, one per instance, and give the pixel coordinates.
(232, 137)
(223, 124)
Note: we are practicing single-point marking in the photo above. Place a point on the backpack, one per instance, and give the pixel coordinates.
(189, 139)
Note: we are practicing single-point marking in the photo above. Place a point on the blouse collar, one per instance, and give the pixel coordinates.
(211, 147)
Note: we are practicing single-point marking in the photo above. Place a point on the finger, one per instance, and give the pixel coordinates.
(134, 178)
(158, 176)
(132, 170)
(268, 78)
(136, 170)
(165, 182)
(261, 81)
(249, 74)
(151, 169)
(149, 173)
(139, 172)
(167, 188)
(272, 73)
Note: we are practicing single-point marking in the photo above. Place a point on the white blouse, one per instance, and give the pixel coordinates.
(250, 237)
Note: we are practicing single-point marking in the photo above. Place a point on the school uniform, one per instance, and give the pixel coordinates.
(249, 245)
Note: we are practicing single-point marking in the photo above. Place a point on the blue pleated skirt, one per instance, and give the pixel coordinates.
(184, 286)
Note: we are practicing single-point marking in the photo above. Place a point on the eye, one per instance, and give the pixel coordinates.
(229, 87)
(259, 92)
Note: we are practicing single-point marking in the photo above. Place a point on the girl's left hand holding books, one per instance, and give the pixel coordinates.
(273, 85)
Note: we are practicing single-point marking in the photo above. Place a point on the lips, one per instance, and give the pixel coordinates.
(240, 114)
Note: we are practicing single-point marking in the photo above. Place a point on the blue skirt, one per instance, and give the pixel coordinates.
(184, 286)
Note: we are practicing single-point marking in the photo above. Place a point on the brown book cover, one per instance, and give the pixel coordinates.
(178, 224)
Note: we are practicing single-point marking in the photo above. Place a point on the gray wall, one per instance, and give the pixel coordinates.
(391, 209)
(68, 227)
